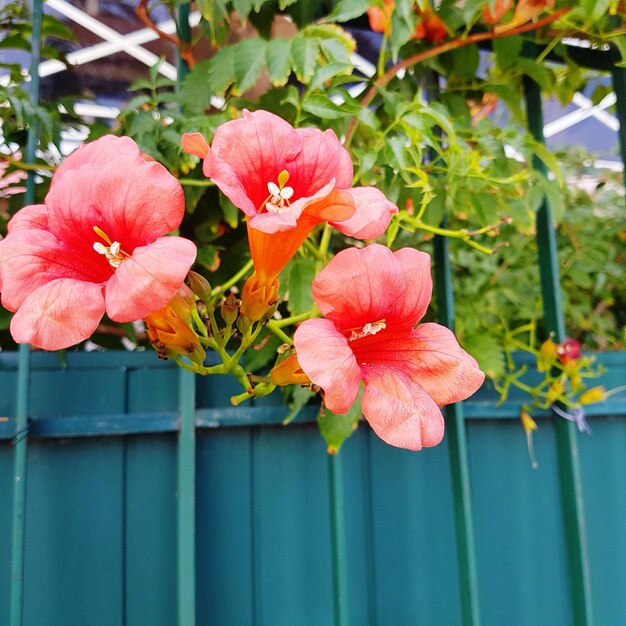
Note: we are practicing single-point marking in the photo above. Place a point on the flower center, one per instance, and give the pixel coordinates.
(371, 328)
(113, 252)
(279, 197)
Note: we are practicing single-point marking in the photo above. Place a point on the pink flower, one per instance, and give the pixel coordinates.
(95, 246)
(286, 181)
(276, 173)
(371, 300)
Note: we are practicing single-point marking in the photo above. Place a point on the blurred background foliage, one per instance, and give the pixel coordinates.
(432, 112)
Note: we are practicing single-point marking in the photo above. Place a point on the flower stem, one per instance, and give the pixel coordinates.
(279, 333)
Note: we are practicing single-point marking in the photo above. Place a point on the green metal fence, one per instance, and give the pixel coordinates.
(139, 496)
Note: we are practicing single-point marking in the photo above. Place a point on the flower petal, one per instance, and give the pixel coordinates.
(419, 284)
(34, 216)
(372, 216)
(29, 258)
(399, 410)
(96, 154)
(138, 201)
(248, 153)
(430, 356)
(326, 358)
(229, 183)
(148, 280)
(59, 314)
(322, 158)
(361, 286)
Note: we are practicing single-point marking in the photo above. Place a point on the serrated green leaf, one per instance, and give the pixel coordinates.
(277, 61)
(325, 73)
(304, 53)
(248, 59)
(324, 108)
(336, 428)
(301, 275)
(335, 51)
(195, 94)
(348, 10)
(221, 70)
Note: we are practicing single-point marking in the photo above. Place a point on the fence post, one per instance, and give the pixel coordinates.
(456, 433)
(20, 441)
(566, 433)
(186, 485)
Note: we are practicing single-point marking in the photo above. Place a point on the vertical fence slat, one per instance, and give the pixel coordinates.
(567, 447)
(23, 376)
(186, 487)
(619, 87)
(457, 443)
(186, 504)
(338, 540)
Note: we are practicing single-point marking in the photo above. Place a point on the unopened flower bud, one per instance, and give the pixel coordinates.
(547, 354)
(200, 286)
(595, 394)
(289, 372)
(230, 308)
(528, 422)
(244, 324)
(568, 351)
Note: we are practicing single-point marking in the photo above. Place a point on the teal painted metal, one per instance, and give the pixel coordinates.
(569, 465)
(184, 34)
(619, 87)
(186, 503)
(19, 489)
(338, 540)
(459, 463)
(263, 512)
(21, 435)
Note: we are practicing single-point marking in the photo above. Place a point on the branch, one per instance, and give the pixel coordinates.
(445, 47)
(184, 49)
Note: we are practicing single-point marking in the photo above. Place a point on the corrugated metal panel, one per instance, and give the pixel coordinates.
(101, 529)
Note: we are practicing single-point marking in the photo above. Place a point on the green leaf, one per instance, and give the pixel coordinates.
(300, 397)
(487, 350)
(462, 62)
(249, 58)
(323, 108)
(243, 8)
(195, 94)
(543, 76)
(336, 428)
(277, 61)
(221, 70)
(230, 211)
(301, 275)
(595, 9)
(304, 53)
(348, 10)
(508, 50)
(327, 72)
